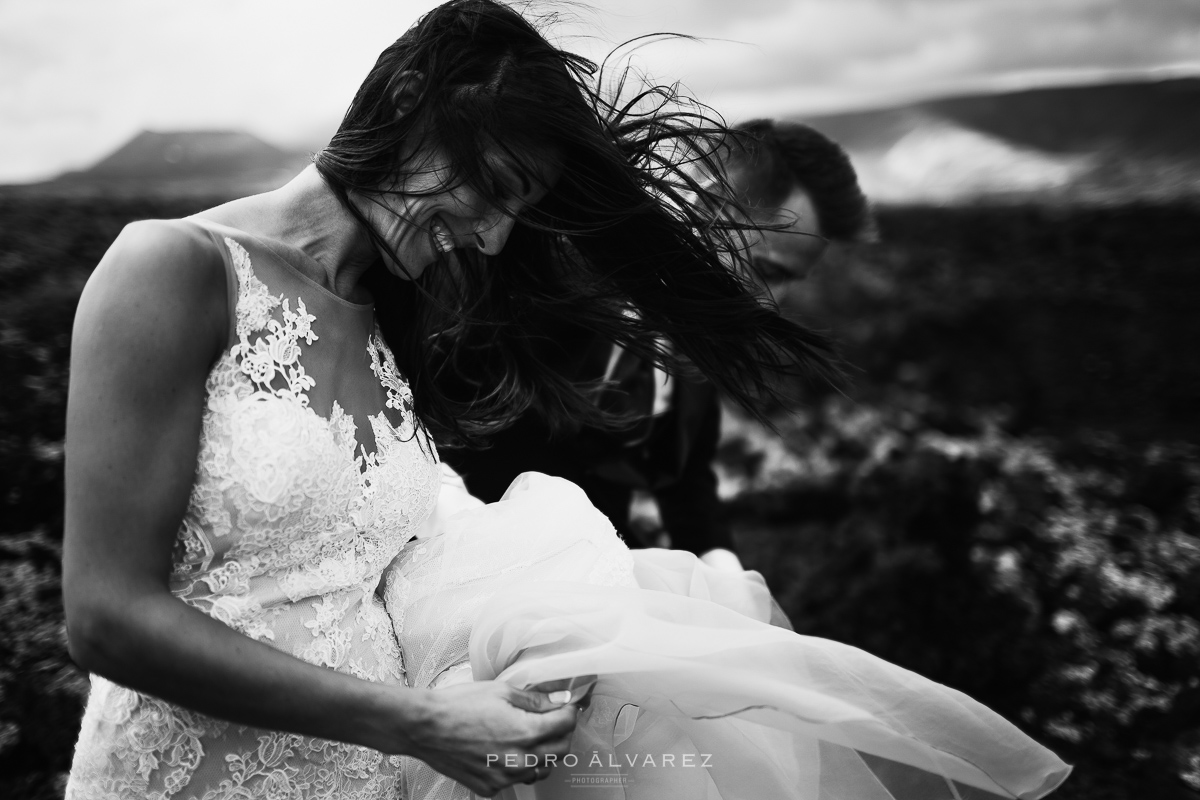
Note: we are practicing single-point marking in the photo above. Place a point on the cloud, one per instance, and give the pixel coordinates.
(943, 162)
(77, 77)
(848, 52)
(89, 75)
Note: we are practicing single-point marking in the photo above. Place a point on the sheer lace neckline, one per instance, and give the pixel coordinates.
(274, 358)
(285, 255)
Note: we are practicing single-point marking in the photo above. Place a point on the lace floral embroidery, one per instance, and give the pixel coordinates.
(279, 353)
(285, 537)
(400, 396)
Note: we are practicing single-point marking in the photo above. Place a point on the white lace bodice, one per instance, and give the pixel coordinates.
(288, 528)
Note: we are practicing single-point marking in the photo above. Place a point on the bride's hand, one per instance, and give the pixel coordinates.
(488, 735)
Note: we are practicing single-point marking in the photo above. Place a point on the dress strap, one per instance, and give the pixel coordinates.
(232, 286)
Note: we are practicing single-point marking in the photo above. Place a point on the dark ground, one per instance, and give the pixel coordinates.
(1007, 499)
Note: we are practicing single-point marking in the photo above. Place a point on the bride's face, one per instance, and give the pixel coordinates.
(426, 216)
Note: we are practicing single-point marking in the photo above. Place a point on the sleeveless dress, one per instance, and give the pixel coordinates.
(294, 514)
(695, 695)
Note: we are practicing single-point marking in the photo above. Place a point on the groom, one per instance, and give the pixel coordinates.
(784, 173)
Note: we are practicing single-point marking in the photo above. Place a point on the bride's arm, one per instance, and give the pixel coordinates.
(150, 323)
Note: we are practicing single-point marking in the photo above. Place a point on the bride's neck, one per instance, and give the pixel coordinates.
(307, 216)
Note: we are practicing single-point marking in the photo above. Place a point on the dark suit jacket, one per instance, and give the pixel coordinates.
(669, 456)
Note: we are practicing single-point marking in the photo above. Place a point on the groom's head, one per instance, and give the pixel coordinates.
(785, 173)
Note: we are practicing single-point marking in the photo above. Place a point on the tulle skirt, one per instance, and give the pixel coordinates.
(695, 695)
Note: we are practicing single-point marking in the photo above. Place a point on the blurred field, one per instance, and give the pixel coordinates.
(1006, 499)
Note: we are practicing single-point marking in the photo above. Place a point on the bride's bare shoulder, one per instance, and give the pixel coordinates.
(178, 247)
(161, 276)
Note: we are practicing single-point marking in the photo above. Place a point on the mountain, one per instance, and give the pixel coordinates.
(186, 162)
(1094, 144)
(1105, 143)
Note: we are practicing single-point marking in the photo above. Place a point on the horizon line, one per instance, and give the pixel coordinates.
(793, 101)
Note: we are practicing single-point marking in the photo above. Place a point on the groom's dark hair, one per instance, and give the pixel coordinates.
(773, 158)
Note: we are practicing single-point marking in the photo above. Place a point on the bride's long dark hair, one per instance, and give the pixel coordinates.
(630, 244)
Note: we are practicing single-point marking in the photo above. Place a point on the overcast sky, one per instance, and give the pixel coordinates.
(79, 77)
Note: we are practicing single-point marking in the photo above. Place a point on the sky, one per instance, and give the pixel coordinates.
(80, 77)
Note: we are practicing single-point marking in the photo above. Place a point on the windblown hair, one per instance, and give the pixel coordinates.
(628, 244)
(776, 157)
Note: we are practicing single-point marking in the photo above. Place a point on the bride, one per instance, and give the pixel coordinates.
(255, 396)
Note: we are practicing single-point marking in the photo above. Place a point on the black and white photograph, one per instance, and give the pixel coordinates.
(600, 400)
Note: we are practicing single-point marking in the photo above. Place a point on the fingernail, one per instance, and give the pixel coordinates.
(561, 697)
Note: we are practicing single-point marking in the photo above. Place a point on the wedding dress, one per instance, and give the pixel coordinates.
(695, 696)
(294, 514)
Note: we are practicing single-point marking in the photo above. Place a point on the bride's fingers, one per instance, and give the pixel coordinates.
(578, 687)
(557, 730)
(552, 751)
(538, 773)
(582, 694)
(538, 701)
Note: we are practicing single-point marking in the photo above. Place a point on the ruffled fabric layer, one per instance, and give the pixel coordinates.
(695, 695)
